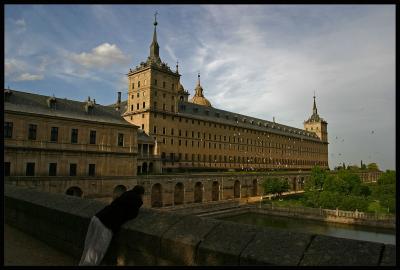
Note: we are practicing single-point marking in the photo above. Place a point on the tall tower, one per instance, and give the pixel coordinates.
(317, 124)
(153, 87)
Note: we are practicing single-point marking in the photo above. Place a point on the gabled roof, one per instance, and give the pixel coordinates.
(206, 113)
(19, 101)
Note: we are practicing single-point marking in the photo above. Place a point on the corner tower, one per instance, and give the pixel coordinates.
(317, 124)
(152, 87)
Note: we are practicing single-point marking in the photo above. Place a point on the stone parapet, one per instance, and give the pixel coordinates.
(161, 238)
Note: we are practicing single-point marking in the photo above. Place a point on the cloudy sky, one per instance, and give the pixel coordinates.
(264, 61)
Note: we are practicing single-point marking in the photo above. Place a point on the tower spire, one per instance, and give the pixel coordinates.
(198, 78)
(154, 48)
(315, 106)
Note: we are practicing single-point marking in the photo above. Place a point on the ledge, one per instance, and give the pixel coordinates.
(161, 238)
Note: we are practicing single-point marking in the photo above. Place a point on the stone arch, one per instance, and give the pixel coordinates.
(255, 188)
(118, 190)
(74, 191)
(156, 195)
(144, 167)
(181, 98)
(179, 194)
(236, 189)
(151, 167)
(294, 184)
(198, 192)
(215, 191)
(302, 182)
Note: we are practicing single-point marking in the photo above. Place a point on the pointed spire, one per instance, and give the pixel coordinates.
(154, 48)
(315, 106)
(177, 65)
(198, 78)
(155, 27)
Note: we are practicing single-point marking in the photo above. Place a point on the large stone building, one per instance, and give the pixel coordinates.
(48, 136)
(193, 135)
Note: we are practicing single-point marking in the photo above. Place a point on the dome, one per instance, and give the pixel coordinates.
(199, 98)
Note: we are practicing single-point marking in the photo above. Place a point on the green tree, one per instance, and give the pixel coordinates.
(351, 203)
(350, 181)
(330, 200)
(311, 198)
(385, 191)
(333, 183)
(275, 186)
(388, 177)
(316, 180)
(373, 167)
(363, 166)
(361, 190)
(353, 168)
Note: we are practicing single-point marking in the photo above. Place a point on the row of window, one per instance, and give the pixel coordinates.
(253, 122)
(155, 95)
(164, 84)
(234, 128)
(30, 169)
(32, 134)
(237, 159)
(261, 146)
(154, 107)
(305, 150)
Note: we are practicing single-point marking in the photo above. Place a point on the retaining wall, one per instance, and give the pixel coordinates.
(161, 238)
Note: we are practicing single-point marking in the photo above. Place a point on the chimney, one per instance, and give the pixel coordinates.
(118, 104)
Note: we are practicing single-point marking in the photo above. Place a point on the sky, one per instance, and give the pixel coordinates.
(263, 61)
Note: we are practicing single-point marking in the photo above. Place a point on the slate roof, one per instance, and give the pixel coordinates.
(38, 104)
(205, 113)
(144, 138)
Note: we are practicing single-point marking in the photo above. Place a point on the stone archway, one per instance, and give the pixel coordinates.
(156, 195)
(215, 191)
(179, 194)
(198, 192)
(294, 184)
(254, 191)
(74, 191)
(236, 189)
(118, 190)
(151, 167)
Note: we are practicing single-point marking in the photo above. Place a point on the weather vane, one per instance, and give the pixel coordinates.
(155, 18)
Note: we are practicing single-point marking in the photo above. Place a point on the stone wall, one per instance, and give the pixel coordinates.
(161, 238)
(164, 188)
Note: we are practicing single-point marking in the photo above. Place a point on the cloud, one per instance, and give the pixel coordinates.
(269, 66)
(12, 66)
(28, 77)
(21, 25)
(102, 56)
(18, 70)
(170, 52)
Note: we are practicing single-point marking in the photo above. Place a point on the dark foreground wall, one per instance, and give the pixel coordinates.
(160, 238)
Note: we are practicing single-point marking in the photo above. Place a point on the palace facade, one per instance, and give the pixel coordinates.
(49, 136)
(191, 134)
(157, 129)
